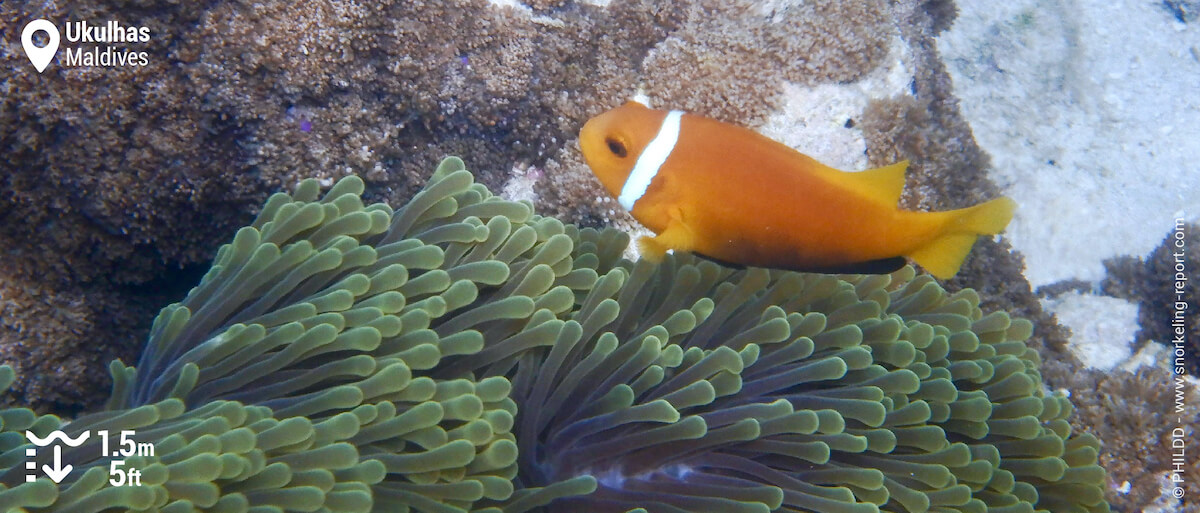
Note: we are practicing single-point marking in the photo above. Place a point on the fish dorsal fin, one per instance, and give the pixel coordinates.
(882, 184)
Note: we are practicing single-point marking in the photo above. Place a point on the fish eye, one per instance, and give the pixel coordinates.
(616, 147)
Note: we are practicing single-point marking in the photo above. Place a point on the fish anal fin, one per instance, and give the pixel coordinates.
(882, 184)
(718, 261)
(880, 266)
(945, 254)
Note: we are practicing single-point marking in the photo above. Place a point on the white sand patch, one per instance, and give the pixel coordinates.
(1102, 327)
(1089, 110)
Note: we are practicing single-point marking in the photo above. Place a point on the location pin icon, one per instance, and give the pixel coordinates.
(40, 57)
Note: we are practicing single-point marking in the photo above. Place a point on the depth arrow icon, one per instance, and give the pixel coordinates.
(59, 472)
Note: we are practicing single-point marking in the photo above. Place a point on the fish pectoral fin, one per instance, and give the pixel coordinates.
(678, 236)
(651, 250)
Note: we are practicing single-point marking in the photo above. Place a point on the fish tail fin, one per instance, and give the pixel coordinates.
(945, 255)
(988, 218)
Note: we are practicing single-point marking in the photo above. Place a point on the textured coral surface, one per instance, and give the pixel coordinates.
(1144, 281)
(118, 185)
(1134, 413)
(118, 177)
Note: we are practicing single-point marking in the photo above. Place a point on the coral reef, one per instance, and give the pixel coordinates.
(755, 48)
(1150, 282)
(461, 353)
(47, 338)
(119, 176)
(1134, 414)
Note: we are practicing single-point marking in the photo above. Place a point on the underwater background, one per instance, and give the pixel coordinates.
(120, 183)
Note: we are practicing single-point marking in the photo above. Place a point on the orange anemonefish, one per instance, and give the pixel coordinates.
(730, 194)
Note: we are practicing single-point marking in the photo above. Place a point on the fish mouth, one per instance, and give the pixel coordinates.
(589, 141)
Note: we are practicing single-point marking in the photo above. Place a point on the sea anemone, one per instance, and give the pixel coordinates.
(465, 354)
(700, 388)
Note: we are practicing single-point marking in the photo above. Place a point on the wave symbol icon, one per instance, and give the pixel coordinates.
(57, 435)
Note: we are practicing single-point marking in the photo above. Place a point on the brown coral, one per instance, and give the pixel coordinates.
(61, 338)
(731, 59)
(1150, 281)
(1134, 413)
(119, 175)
